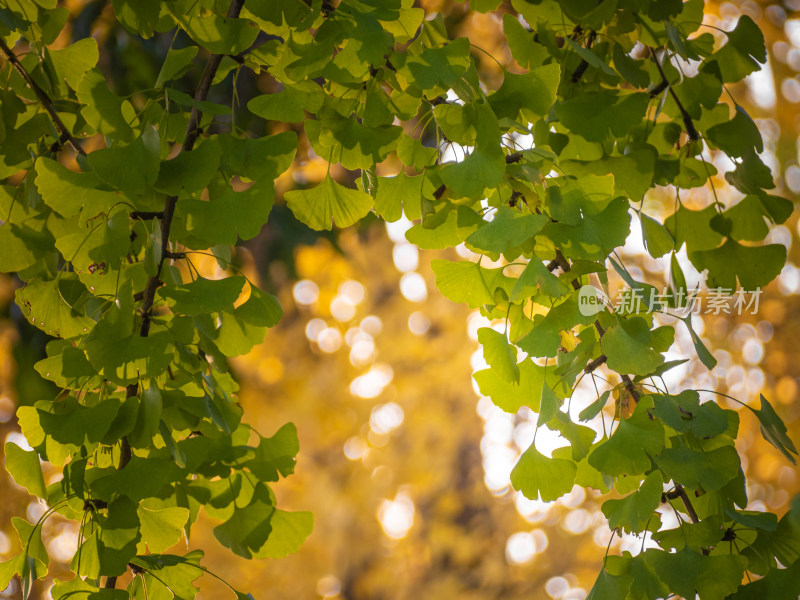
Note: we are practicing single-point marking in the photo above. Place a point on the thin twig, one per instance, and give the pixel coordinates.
(687, 119)
(44, 99)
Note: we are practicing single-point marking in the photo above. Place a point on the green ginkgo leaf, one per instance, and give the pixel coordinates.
(688, 573)
(24, 467)
(68, 193)
(51, 306)
(220, 35)
(499, 354)
(512, 396)
(538, 476)
(633, 513)
(203, 296)
(161, 528)
(248, 528)
(106, 112)
(629, 347)
(289, 531)
(774, 430)
(533, 92)
(328, 204)
(506, 230)
(614, 580)
(699, 470)
(752, 266)
(72, 62)
(633, 444)
(468, 282)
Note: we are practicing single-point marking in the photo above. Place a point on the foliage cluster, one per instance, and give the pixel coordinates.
(107, 198)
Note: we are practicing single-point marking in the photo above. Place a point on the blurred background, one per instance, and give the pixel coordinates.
(404, 465)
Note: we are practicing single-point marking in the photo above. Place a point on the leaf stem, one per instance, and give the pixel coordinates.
(44, 99)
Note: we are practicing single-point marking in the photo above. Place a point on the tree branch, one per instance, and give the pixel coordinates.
(154, 282)
(192, 133)
(680, 492)
(576, 76)
(687, 119)
(146, 215)
(44, 99)
(600, 360)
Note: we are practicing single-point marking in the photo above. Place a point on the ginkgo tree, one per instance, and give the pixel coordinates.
(107, 197)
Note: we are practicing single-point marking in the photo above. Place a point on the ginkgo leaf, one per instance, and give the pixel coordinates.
(774, 430)
(68, 193)
(657, 239)
(176, 63)
(545, 339)
(106, 112)
(166, 576)
(49, 305)
(703, 534)
(499, 354)
(506, 231)
(634, 512)
(399, 195)
(510, 396)
(220, 35)
(203, 296)
(468, 282)
(72, 62)
(613, 582)
(24, 467)
(537, 476)
(777, 583)
(276, 454)
(248, 528)
(683, 412)
(753, 266)
(594, 236)
(533, 92)
(189, 171)
(693, 228)
(536, 278)
(635, 441)
(328, 204)
(132, 168)
(119, 533)
(161, 529)
(289, 531)
(709, 470)
(688, 573)
(629, 347)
